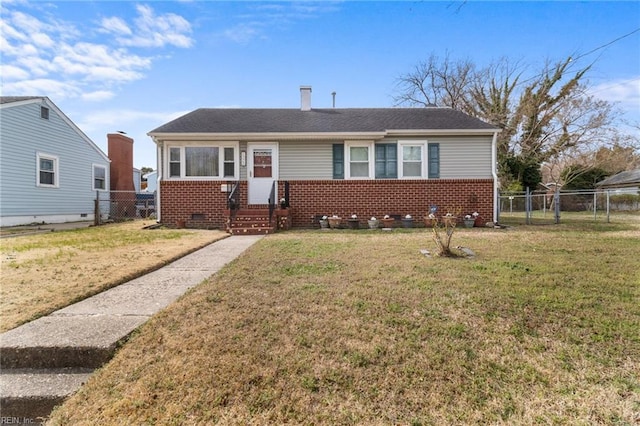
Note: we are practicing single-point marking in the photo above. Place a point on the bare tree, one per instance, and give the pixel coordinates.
(436, 83)
(542, 117)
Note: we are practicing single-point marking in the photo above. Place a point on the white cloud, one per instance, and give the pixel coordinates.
(123, 118)
(115, 25)
(41, 87)
(243, 33)
(42, 40)
(151, 30)
(98, 95)
(63, 60)
(267, 15)
(10, 72)
(39, 67)
(625, 92)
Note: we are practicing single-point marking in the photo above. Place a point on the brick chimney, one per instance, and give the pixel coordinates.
(305, 98)
(120, 148)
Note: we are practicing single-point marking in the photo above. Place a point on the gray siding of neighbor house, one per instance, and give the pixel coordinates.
(23, 134)
(461, 157)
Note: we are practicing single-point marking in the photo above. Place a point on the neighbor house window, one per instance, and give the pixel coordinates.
(47, 170)
(99, 177)
(203, 162)
(44, 112)
(386, 161)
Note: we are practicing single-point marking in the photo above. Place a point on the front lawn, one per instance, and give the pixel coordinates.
(45, 272)
(344, 327)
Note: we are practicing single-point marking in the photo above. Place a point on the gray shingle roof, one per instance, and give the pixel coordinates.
(212, 120)
(10, 99)
(630, 177)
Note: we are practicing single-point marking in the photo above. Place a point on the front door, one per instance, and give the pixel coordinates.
(262, 171)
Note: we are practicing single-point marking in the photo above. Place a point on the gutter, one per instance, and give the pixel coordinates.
(371, 135)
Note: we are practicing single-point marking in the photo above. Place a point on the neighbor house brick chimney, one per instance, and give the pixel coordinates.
(120, 148)
(305, 98)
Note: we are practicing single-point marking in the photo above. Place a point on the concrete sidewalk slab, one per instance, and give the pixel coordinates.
(86, 334)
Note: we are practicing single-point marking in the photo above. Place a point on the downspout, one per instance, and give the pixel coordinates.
(158, 177)
(494, 173)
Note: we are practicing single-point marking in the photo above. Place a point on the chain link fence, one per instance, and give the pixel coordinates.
(118, 206)
(544, 207)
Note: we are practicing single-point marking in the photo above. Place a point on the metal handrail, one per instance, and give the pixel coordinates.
(272, 200)
(233, 200)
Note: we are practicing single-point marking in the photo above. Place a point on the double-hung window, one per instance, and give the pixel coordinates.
(359, 160)
(99, 177)
(212, 161)
(412, 162)
(47, 170)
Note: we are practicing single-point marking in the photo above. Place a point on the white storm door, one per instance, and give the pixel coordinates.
(262, 171)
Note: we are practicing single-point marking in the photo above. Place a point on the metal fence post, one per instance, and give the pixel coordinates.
(595, 206)
(608, 193)
(527, 206)
(556, 203)
(96, 209)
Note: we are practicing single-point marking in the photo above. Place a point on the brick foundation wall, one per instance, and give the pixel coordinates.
(310, 198)
(201, 204)
(367, 198)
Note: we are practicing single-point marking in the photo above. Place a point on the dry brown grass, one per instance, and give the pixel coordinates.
(45, 272)
(359, 328)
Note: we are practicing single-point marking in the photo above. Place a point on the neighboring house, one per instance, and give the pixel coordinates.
(50, 171)
(363, 161)
(627, 182)
(137, 179)
(152, 181)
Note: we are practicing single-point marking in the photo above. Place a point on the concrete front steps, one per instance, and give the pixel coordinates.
(45, 361)
(251, 222)
(31, 394)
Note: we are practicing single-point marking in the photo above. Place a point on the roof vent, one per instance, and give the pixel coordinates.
(305, 98)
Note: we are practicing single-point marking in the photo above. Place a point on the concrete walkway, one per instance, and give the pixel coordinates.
(46, 360)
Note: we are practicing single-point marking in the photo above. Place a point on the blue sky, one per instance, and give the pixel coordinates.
(132, 66)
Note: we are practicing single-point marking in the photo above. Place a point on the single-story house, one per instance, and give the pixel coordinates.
(50, 171)
(362, 161)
